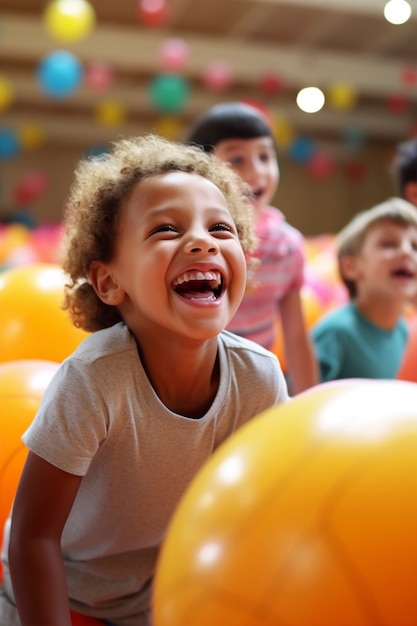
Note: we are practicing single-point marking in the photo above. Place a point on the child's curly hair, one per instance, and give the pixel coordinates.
(102, 184)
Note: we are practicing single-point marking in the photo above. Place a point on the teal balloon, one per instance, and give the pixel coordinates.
(168, 93)
(59, 74)
(9, 144)
(354, 138)
(301, 150)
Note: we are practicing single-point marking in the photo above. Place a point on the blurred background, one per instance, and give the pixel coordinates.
(77, 74)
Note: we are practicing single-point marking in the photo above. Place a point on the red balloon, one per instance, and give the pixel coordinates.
(271, 84)
(152, 12)
(321, 165)
(30, 187)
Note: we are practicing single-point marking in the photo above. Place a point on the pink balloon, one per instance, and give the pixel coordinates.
(99, 76)
(174, 55)
(218, 76)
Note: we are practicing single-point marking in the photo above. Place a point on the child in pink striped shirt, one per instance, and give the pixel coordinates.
(240, 135)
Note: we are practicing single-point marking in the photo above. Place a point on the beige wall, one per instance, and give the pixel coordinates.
(313, 205)
(318, 206)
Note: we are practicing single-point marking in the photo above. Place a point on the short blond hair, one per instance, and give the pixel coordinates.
(350, 239)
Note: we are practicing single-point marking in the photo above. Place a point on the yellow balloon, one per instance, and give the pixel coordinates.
(31, 136)
(306, 516)
(283, 131)
(168, 127)
(110, 113)
(342, 96)
(69, 20)
(11, 237)
(6, 93)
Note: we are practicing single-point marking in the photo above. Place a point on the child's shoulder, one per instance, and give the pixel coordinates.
(241, 345)
(249, 361)
(272, 221)
(338, 319)
(105, 343)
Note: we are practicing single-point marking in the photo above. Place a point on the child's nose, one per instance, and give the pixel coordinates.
(201, 242)
(408, 248)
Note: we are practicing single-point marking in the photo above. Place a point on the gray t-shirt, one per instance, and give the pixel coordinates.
(101, 419)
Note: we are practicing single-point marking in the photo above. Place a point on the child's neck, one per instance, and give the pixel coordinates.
(384, 313)
(185, 381)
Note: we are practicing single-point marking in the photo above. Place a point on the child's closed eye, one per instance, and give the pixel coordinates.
(164, 228)
(222, 226)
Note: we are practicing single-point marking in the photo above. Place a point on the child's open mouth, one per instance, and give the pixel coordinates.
(403, 272)
(196, 285)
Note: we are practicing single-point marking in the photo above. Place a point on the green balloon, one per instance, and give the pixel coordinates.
(168, 93)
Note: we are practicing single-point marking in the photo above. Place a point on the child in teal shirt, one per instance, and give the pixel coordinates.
(377, 257)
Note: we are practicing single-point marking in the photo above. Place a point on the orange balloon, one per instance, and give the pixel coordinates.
(313, 309)
(278, 347)
(22, 385)
(306, 516)
(408, 369)
(32, 323)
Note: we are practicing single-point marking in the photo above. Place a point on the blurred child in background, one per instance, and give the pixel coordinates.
(240, 135)
(377, 258)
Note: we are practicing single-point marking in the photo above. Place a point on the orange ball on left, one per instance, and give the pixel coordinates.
(22, 385)
(32, 322)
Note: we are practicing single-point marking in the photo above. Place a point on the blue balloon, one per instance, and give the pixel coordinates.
(168, 93)
(9, 143)
(59, 74)
(301, 150)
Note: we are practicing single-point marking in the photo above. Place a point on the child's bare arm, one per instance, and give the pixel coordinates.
(299, 352)
(43, 502)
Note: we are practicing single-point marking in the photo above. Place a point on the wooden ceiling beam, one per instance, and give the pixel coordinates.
(137, 50)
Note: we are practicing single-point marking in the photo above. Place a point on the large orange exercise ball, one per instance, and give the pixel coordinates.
(32, 322)
(22, 385)
(307, 516)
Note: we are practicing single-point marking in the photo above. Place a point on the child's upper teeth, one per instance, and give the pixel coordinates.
(197, 275)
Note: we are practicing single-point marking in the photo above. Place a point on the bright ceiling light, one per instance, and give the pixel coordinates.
(397, 11)
(310, 99)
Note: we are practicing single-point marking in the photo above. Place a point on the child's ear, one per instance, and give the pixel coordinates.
(410, 192)
(105, 285)
(348, 267)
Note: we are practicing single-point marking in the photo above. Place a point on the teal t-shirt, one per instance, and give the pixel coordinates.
(350, 346)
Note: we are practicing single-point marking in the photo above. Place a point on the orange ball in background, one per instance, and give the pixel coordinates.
(306, 516)
(313, 310)
(32, 322)
(408, 369)
(22, 385)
